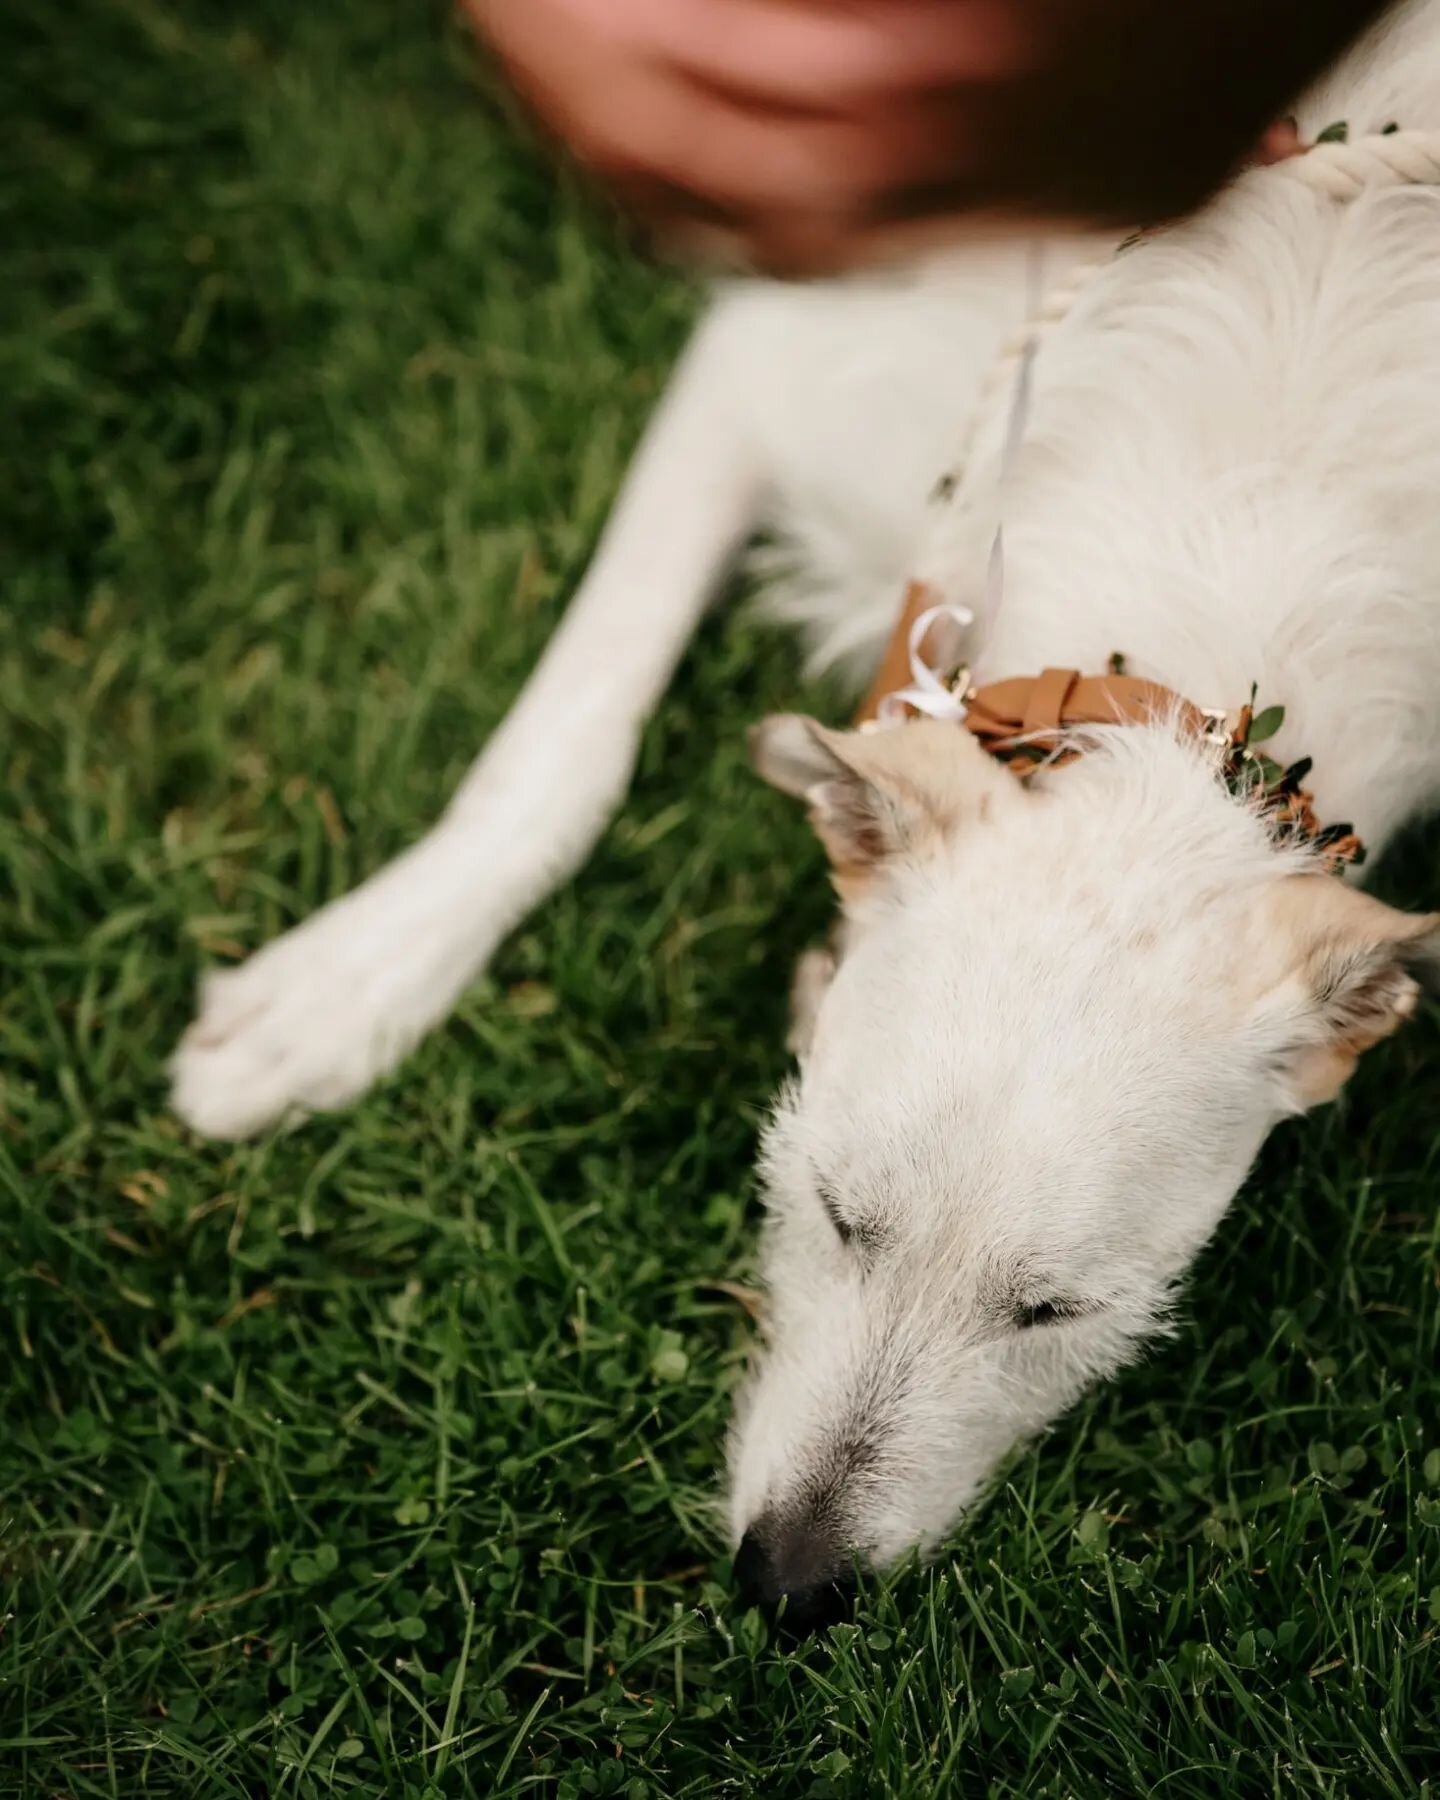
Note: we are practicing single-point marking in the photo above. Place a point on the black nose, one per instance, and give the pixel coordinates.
(798, 1573)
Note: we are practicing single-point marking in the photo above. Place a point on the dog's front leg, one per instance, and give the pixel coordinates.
(311, 1020)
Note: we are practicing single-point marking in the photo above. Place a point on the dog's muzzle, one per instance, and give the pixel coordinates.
(796, 1572)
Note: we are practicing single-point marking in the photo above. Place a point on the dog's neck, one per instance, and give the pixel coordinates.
(1356, 700)
(1214, 561)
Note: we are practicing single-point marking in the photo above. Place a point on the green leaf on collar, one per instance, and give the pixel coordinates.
(1265, 724)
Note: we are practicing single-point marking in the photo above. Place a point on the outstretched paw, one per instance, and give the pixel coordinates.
(310, 1021)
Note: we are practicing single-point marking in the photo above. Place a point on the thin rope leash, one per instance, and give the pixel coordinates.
(929, 692)
(1339, 169)
(1343, 169)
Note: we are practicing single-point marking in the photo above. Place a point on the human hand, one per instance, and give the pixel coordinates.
(806, 134)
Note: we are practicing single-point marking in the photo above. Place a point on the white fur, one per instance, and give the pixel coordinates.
(1057, 1037)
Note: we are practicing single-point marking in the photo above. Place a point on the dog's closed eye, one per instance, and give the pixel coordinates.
(1048, 1312)
(844, 1230)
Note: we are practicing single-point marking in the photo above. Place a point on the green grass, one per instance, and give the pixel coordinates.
(379, 1457)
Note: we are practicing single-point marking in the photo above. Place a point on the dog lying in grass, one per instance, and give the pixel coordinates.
(1067, 1010)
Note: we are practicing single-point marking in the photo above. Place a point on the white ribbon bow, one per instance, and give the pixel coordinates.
(927, 693)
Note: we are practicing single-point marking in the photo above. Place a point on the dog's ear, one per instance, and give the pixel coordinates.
(874, 795)
(1354, 967)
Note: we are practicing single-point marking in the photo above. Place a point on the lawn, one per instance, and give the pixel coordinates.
(380, 1457)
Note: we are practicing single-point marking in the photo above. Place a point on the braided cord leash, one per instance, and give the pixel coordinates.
(1342, 169)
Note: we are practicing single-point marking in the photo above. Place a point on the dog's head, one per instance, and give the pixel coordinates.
(1065, 1018)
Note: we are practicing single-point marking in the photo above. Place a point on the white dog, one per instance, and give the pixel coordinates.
(1068, 1011)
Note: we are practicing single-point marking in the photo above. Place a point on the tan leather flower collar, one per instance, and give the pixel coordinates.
(1025, 721)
